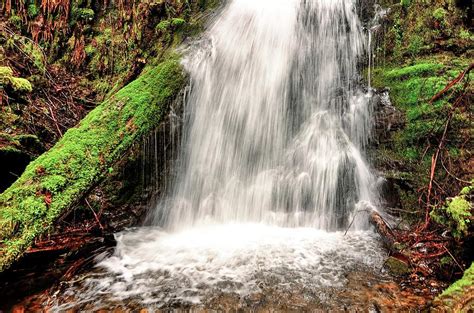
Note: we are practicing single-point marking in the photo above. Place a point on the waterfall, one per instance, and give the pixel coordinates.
(271, 172)
(276, 121)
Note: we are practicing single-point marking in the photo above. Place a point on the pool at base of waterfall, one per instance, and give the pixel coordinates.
(233, 266)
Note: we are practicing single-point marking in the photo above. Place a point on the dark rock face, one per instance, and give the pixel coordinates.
(14, 162)
(15, 154)
(388, 119)
(389, 193)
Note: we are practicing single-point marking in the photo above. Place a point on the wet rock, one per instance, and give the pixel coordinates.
(16, 151)
(397, 266)
(389, 194)
(388, 118)
(15, 161)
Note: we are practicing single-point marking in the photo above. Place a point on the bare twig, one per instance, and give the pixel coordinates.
(95, 215)
(454, 259)
(440, 94)
(353, 218)
(452, 175)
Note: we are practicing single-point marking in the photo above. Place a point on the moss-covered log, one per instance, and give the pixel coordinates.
(459, 297)
(56, 180)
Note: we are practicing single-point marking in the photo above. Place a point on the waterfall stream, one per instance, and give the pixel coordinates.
(272, 169)
(276, 121)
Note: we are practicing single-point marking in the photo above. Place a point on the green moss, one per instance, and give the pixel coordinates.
(177, 22)
(16, 83)
(21, 84)
(173, 24)
(455, 215)
(466, 35)
(163, 25)
(16, 21)
(460, 286)
(417, 70)
(440, 14)
(36, 55)
(412, 146)
(411, 153)
(405, 3)
(33, 10)
(84, 14)
(6, 74)
(416, 44)
(90, 50)
(53, 182)
(411, 87)
(10, 149)
(467, 190)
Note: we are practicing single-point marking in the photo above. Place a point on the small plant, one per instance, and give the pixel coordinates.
(465, 35)
(415, 45)
(439, 14)
(405, 3)
(16, 21)
(33, 10)
(456, 215)
(36, 56)
(84, 14)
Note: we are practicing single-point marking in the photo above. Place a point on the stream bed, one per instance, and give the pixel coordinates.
(253, 267)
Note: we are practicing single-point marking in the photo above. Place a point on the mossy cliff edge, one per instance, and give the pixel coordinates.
(423, 58)
(59, 178)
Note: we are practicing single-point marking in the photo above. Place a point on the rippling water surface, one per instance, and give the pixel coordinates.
(152, 268)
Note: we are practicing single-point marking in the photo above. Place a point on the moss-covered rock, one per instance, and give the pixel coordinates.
(397, 266)
(56, 180)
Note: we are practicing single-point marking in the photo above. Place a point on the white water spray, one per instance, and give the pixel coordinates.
(276, 121)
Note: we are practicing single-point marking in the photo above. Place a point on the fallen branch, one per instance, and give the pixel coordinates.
(95, 215)
(454, 259)
(353, 219)
(460, 77)
(384, 230)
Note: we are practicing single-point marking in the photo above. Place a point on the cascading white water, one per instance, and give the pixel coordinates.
(276, 120)
(272, 167)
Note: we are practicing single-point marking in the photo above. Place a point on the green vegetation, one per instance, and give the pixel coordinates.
(405, 3)
(18, 84)
(35, 54)
(33, 10)
(411, 88)
(418, 27)
(426, 44)
(459, 290)
(455, 216)
(59, 178)
(84, 14)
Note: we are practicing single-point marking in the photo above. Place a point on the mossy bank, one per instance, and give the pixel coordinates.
(423, 56)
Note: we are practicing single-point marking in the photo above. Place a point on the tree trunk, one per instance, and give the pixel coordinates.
(59, 178)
